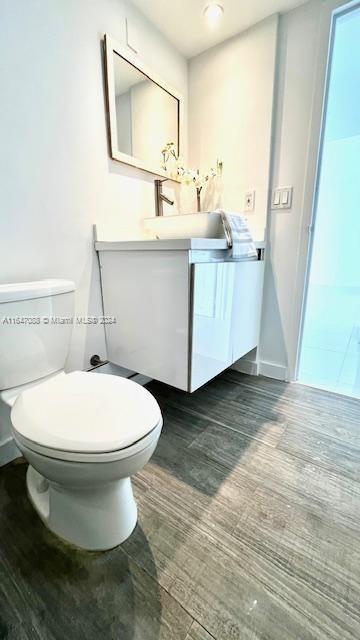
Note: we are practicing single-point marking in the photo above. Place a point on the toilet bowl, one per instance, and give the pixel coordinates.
(84, 436)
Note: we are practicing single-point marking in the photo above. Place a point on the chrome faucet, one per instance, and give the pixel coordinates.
(160, 198)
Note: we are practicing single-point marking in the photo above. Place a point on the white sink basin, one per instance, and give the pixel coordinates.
(189, 225)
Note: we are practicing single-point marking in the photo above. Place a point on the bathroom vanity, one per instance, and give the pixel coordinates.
(184, 310)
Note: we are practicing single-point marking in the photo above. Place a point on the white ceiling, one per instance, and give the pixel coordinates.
(183, 22)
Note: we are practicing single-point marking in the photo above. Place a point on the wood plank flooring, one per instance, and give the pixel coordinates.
(249, 529)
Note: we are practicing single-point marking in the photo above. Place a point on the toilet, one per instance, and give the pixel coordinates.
(83, 434)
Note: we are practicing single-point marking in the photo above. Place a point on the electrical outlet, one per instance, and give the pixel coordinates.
(249, 201)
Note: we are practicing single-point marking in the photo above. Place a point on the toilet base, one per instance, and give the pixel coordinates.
(95, 518)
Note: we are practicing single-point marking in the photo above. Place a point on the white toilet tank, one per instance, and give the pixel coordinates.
(36, 320)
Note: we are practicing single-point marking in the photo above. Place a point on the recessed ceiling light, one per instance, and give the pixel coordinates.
(213, 12)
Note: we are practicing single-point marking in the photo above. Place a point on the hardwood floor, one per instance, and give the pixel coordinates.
(249, 529)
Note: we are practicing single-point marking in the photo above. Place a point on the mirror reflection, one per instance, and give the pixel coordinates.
(147, 115)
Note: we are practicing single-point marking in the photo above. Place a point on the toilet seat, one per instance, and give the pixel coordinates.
(70, 456)
(86, 417)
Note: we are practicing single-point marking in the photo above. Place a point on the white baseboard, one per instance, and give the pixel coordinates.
(115, 370)
(250, 367)
(8, 452)
(141, 379)
(272, 370)
(246, 366)
(267, 369)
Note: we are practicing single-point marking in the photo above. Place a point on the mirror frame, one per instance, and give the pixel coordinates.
(132, 58)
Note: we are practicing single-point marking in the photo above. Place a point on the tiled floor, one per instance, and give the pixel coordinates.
(248, 529)
(330, 356)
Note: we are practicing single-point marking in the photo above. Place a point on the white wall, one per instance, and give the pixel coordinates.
(230, 117)
(56, 178)
(303, 44)
(230, 114)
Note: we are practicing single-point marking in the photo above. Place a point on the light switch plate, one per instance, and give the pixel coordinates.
(249, 201)
(282, 198)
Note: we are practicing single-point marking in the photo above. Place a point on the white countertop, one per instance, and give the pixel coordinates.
(186, 244)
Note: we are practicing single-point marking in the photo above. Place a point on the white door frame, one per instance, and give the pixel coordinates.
(330, 11)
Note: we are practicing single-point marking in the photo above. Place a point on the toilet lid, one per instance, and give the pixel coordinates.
(85, 412)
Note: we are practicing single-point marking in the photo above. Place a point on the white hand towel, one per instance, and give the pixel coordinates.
(238, 236)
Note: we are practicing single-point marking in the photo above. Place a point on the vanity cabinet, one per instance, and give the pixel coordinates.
(184, 311)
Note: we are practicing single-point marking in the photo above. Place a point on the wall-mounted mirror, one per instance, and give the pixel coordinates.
(144, 112)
